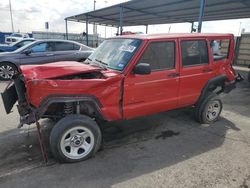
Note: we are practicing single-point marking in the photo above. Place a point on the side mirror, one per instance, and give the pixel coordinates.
(142, 68)
(27, 52)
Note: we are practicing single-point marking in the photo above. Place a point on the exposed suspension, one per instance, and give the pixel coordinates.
(68, 108)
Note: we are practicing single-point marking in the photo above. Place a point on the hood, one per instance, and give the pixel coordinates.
(8, 54)
(58, 69)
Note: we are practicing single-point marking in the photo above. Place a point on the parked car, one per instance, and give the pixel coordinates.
(126, 77)
(14, 37)
(40, 52)
(14, 46)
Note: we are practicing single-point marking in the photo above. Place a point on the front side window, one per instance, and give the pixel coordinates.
(40, 48)
(194, 52)
(160, 55)
(220, 49)
(115, 53)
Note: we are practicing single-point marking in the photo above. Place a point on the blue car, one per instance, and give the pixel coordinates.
(16, 45)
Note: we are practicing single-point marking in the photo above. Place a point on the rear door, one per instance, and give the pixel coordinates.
(66, 51)
(40, 53)
(195, 71)
(158, 91)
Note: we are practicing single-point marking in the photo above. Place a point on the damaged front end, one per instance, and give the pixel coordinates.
(16, 92)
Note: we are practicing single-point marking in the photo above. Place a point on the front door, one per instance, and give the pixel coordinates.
(40, 53)
(157, 91)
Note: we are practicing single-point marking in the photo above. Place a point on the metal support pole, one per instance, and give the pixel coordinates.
(11, 17)
(202, 8)
(117, 33)
(41, 142)
(192, 27)
(121, 20)
(87, 30)
(66, 25)
(146, 29)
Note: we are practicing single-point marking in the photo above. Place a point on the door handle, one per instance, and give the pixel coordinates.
(207, 70)
(49, 54)
(172, 75)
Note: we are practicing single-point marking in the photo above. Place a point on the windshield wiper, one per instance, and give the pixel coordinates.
(99, 61)
(102, 64)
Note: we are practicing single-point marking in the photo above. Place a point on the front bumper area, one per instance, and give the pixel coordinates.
(16, 92)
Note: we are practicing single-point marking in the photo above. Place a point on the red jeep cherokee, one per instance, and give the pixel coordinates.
(126, 77)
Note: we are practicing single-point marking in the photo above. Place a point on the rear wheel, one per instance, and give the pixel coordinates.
(208, 110)
(7, 71)
(75, 138)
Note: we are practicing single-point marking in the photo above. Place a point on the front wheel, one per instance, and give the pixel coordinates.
(75, 138)
(7, 71)
(209, 109)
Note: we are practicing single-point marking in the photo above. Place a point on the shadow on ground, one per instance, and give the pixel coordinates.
(131, 148)
(141, 146)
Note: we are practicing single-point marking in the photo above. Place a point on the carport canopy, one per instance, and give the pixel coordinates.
(150, 12)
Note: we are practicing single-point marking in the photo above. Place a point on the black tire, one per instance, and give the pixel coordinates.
(202, 109)
(66, 124)
(5, 65)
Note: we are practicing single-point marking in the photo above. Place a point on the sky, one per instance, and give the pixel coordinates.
(31, 16)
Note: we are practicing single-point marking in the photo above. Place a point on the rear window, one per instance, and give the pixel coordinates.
(194, 52)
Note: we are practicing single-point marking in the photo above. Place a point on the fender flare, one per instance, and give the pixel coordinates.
(52, 99)
(212, 84)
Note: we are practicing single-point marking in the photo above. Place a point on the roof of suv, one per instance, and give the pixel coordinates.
(174, 35)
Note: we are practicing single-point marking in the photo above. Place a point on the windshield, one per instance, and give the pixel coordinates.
(25, 47)
(16, 35)
(115, 53)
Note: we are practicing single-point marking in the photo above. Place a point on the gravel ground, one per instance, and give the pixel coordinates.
(168, 149)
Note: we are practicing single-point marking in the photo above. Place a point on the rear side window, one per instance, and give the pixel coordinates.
(220, 49)
(64, 46)
(76, 47)
(194, 52)
(160, 55)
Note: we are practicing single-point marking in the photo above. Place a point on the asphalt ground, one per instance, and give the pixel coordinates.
(168, 149)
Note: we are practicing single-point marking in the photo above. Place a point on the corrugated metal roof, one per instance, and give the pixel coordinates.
(150, 12)
(175, 35)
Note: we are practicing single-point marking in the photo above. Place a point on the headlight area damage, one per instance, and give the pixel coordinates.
(60, 89)
(14, 92)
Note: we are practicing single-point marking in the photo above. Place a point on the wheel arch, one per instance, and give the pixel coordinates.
(215, 85)
(17, 67)
(89, 101)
